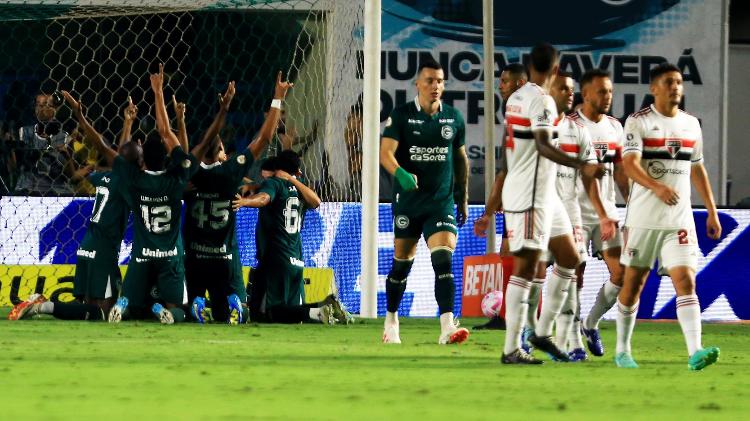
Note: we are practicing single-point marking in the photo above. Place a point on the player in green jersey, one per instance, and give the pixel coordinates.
(423, 148)
(154, 195)
(97, 279)
(283, 200)
(212, 256)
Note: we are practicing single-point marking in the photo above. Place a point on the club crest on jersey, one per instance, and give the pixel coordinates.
(241, 159)
(186, 163)
(673, 147)
(401, 221)
(601, 150)
(447, 132)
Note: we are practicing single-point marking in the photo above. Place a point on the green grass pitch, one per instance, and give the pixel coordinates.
(140, 370)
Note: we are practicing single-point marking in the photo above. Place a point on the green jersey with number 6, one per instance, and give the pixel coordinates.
(279, 223)
(109, 217)
(156, 200)
(209, 219)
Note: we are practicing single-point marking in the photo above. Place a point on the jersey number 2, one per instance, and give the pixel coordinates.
(291, 215)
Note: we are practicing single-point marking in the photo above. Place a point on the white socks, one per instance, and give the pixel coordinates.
(446, 322)
(516, 302)
(575, 341)
(315, 314)
(689, 315)
(535, 292)
(605, 299)
(557, 292)
(625, 323)
(46, 307)
(391, 318)
(566, 319)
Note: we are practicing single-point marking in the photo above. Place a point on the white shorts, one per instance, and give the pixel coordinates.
(561, 224)
(528, 230)
(592, 233)
(677, 247)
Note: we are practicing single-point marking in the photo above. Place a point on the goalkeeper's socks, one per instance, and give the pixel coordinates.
(689, 315)
(557, 293)
(77, 311)
(605, 299)
(625, 324)
(516, 301)
(535, 291)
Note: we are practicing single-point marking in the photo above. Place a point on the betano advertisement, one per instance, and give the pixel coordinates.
(39, 238)
(625, 37)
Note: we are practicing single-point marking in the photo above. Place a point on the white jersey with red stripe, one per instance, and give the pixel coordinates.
(531, 177)
(606, 136)
(668, 147)
(575, 141)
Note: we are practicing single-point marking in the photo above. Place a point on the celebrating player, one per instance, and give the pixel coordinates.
(155, 196)
(283, 200)
(663, 153)
(212, 257)
(423, 148)
(606, 134)
(529, 204)
(97, 279)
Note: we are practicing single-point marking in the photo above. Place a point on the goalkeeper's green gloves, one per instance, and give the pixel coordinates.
(406, 179)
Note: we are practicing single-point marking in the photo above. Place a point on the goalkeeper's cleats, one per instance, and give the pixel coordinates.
(391, 334)
(118, 310)
(161, 313)
(525, 345)
(453, 334)
(544, 343)
(235, 309)
(519, 357)
(702, 358)
(340, 312)
(593, 341)
(578, 354)
(200, 312)
(27, 308)
(625, 360)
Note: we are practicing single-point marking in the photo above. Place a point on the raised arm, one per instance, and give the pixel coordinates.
(225, 101)
(160, 110)
(129, 115)
(272, 119)
(308, 195)
(179, 110)
(89, 131)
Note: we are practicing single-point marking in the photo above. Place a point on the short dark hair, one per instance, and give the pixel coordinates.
(429, 64)
(543, 57)
(661, 69)
(565, 74)
(288, 161)
(592, 74)
(154, 153)
(269, 164)
(518, 70)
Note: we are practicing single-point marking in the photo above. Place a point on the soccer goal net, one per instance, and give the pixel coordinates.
(102, 52)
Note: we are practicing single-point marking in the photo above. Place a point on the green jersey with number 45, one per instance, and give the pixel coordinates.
(109, 217)
(155, 197)
(279, 223)
(209, 219)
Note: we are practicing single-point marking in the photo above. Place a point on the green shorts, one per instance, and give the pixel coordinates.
(97, 273)
(409, 222)
(282, 281)
(167, 275)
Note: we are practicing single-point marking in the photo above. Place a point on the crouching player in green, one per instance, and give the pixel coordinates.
(283, 200)
(155, 197)
(97, 280)
(212, 260)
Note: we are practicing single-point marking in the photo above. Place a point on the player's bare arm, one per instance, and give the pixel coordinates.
(255, 201)
(622, 181)
(89, 131)
(549, 151)
(307, 194)
(699, 178)
(129, 114)
(268, 129)
(179, 110)
(160, 110)
(225, 100)
(608, 225)
(405, 179)
(461, 172)
(633, 169)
